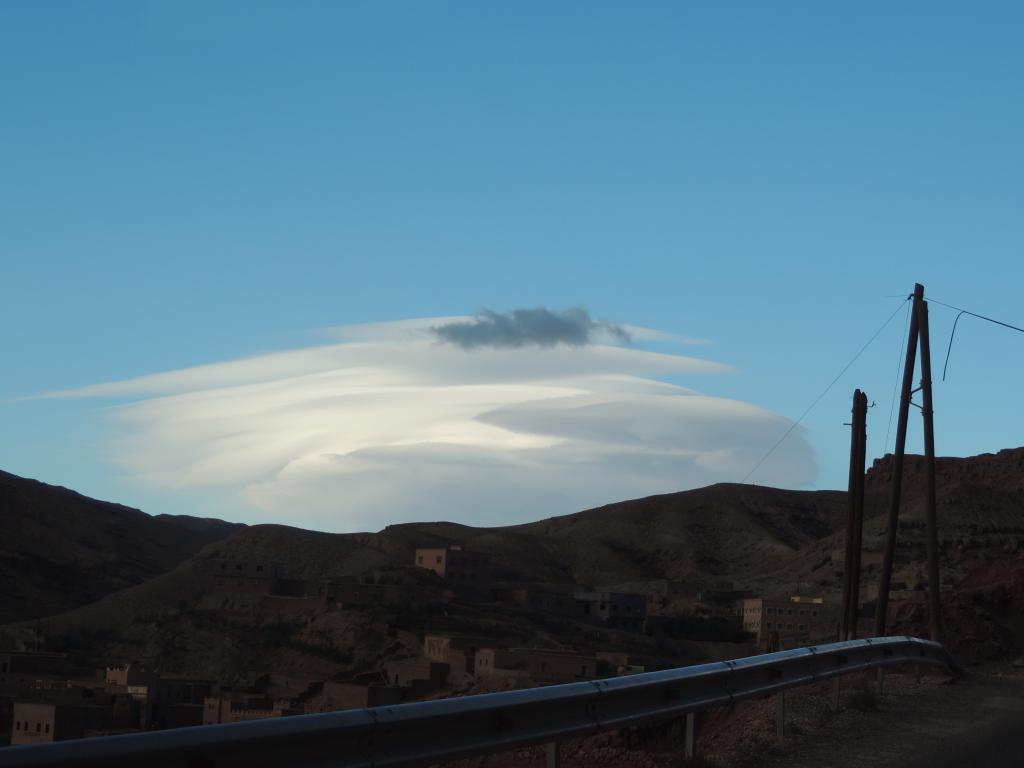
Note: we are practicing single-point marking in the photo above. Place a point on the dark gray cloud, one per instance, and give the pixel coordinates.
(529, 327)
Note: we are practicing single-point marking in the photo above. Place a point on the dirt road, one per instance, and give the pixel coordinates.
(975, 721)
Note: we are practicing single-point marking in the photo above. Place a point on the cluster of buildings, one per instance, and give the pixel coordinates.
(250, 591)
(461, 568)
(45, 698)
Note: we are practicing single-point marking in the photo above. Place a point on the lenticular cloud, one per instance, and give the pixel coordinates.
(394, 425)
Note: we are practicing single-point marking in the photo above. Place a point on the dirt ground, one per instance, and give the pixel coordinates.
(977, 720)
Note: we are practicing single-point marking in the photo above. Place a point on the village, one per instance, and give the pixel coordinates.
(45, 696)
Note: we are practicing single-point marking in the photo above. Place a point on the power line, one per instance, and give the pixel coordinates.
(953, 332)
(825, 392)
(975, 314)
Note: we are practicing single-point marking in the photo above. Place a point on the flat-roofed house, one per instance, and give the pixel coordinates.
(457, 566)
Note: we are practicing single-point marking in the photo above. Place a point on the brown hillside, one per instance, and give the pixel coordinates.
(769, 541)
(61, 550)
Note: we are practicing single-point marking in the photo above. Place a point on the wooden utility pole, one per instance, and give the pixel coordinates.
(855, 518)
(885, 580)
(931, 522)
(918, 331)
(858, 456)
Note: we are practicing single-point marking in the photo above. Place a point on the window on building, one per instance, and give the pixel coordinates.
(583, 670)
(39, 727)
(803, 627)
(47, 728)
(420, 559)
(17, 725)
(438, 559)
(259, 568)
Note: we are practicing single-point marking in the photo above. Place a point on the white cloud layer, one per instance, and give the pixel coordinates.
(390, 425)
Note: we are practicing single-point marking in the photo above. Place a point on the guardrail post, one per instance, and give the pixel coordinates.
(835, 695)
(691, 735)
(552, 754)
(780, 717)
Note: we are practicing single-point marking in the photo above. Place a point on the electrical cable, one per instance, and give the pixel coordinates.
(953, 332)
(825, 392)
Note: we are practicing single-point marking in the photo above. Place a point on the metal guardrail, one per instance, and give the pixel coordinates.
(429, 732)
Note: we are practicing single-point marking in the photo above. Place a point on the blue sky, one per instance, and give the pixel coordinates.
(188, 183)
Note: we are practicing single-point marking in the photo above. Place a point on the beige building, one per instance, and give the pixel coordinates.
(37, 723)
(542, 666)
(235, 709)
(458, 652)
(458, 566)
(793, 621)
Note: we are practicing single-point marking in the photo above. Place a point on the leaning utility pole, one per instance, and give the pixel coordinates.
(918, 331)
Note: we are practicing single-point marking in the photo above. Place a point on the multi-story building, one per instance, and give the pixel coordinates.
(457, 651)
(617, 610)
(39, 722)
(791, 621)
(458, 566)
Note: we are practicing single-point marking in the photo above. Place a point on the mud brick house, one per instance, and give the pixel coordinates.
(541, 666)
(230, 707)
(420, 675)
(458, 652)
(616, 610)
(457, 566)
(792, 622)
(39, 722)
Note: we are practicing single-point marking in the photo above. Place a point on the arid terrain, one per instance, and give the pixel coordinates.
(108, 586)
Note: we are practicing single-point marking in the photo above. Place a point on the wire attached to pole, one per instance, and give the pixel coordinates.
(826, 391)
(972, 314)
